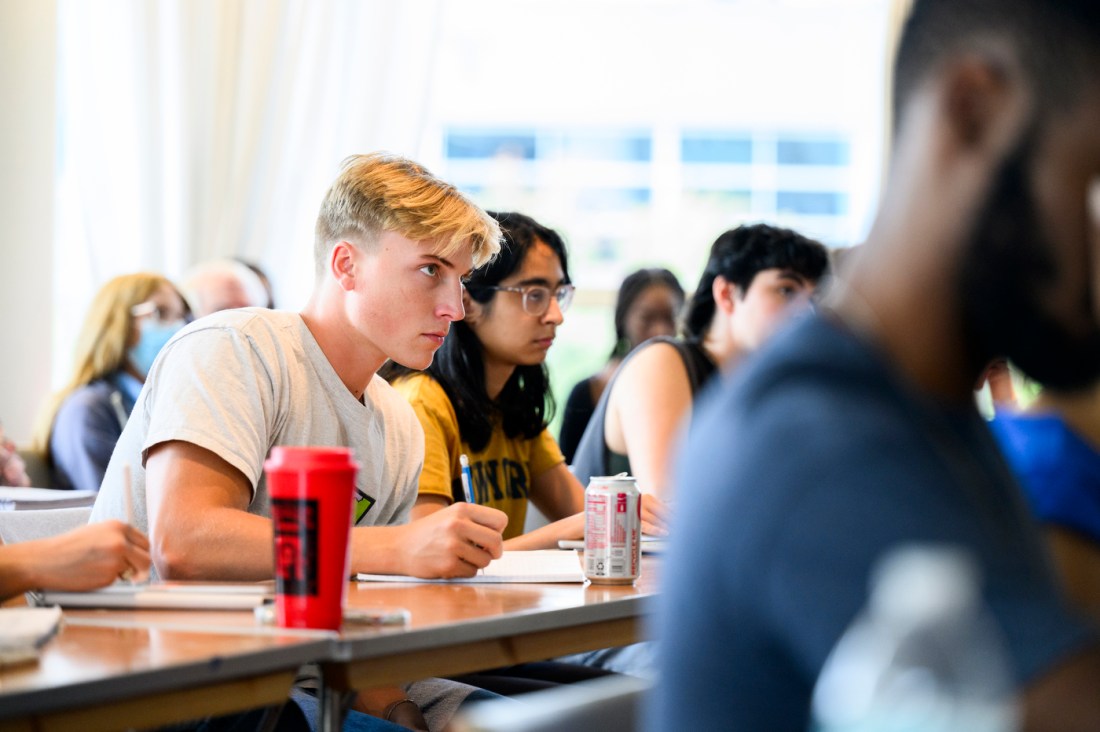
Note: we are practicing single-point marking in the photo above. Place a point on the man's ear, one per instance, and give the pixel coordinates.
(985, 102)
(342, 264)
(725, 294)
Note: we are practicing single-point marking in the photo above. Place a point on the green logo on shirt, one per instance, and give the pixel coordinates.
(363, 503)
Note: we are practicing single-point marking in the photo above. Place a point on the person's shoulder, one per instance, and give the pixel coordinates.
(657, 356)
(419, 387)
(814, 389)
(390, 402)
(814, 358)
(581, 387)
(246, 321)
(268, 331)
(91, 396)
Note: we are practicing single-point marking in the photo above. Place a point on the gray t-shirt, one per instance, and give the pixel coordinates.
(239, 382)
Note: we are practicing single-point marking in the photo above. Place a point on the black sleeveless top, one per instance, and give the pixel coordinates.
(593, 457)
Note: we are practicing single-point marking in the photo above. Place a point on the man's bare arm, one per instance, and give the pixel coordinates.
(199, 525)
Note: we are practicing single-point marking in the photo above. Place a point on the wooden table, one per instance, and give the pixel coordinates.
(109, 669)
(459, 628)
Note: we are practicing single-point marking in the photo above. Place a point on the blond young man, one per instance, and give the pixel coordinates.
(392, 246)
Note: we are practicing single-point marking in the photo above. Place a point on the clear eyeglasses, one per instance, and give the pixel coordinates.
(536, 298)
(160, 313)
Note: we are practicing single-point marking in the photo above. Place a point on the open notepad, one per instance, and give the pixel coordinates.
(549, 565)
(165, 596)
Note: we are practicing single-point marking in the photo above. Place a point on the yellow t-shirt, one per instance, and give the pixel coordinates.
(502, 472)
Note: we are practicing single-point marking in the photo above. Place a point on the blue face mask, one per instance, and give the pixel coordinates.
(153, 337)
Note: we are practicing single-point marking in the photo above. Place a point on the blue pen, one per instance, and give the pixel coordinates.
(467, 478)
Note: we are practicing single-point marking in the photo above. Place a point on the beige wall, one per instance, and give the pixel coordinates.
(28, 46)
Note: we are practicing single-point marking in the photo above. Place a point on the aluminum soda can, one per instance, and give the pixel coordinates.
(612, 530)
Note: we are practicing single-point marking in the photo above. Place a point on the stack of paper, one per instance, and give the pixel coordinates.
(24, 629)
(18, 499)
(165, 596)
(548, 565)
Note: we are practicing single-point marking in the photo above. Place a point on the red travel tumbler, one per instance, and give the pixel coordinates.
(312, 490)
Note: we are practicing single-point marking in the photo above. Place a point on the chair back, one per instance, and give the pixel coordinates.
(38, 468)
(608, 704)
(17, 526)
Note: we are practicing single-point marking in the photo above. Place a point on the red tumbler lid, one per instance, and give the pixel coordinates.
(288, 457)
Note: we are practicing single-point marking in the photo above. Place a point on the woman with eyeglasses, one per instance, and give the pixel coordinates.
(487, 393)
(130, 320)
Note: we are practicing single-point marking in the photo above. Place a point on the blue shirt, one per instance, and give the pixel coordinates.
(798, 475)
(86, 428)
(1060, 472)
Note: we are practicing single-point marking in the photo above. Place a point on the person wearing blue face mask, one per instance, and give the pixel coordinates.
(130, 320)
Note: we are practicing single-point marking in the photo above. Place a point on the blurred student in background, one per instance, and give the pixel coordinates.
(487, 393)
(13, 472)
(1054, 449)
(223, 284)
(648, 305)
(755, 277)
(269, 303)
(130, 320)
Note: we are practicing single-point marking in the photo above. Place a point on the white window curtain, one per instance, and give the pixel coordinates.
(895, 24)
(195, 129)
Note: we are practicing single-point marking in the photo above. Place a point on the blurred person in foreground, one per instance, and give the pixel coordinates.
(130, 319)
(855, 430)
(648, 305)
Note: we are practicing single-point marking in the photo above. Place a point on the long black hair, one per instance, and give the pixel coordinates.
(632, 287)
(739, 254)
(525, 405)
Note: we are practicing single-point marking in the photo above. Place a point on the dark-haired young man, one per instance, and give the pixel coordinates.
(755, 278)
(856, 431)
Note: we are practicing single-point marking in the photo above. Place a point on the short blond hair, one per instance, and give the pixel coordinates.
(381, 192)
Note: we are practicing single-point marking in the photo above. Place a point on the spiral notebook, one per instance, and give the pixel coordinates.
(549, 565)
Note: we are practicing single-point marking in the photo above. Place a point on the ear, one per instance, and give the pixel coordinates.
(342, 264)
(472, 307)
(725, 294)
(985, 103)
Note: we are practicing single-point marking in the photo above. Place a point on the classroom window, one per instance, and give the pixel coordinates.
(811, 152)
(605, 199)
(479, 145)
(715, 148)
(811, 203)
(606, 146)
